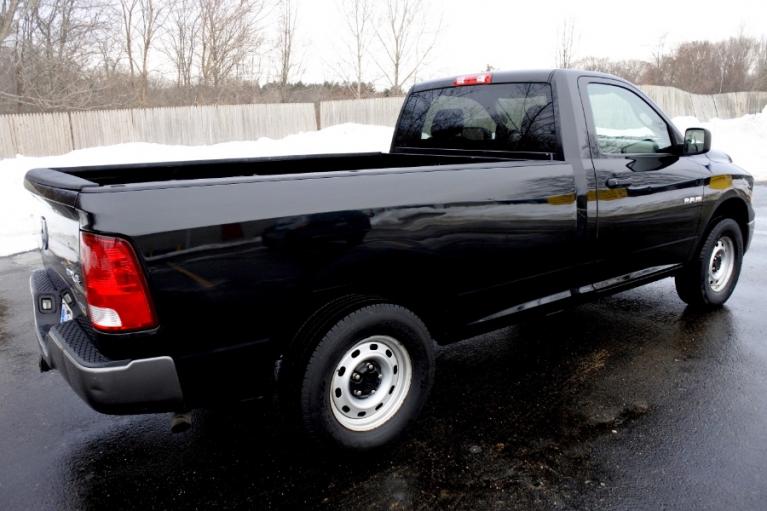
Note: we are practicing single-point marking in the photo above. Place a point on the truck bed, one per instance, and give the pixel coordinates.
(107, 175)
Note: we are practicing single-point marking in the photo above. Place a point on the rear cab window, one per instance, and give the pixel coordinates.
(506, 117)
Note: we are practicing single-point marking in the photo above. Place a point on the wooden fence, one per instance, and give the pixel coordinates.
(35, 134)
(380, 111)
(7, 146)
(676, 102)
(57, 133)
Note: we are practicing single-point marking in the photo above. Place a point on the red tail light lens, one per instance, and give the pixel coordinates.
(115, 287)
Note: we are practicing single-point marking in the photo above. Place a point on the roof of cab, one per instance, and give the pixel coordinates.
(534, 75)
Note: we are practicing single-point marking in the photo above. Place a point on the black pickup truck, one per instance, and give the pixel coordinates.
(326, 280)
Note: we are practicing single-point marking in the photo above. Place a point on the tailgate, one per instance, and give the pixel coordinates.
(60, 230)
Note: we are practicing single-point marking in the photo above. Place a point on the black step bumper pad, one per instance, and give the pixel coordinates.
(126, 386)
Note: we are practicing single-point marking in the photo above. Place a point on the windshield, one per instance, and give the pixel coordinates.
(515, 117)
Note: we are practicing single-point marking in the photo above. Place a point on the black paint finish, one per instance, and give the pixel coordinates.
(238, 253)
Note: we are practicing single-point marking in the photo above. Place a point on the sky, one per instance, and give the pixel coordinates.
(510, 34)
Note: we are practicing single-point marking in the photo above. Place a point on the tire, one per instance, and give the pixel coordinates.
(367, 378)
(710, 278)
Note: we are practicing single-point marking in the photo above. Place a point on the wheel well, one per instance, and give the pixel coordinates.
(733, 208)
(294, 344)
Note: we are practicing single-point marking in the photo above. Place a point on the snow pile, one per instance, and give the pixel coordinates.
(19, 223)
(743, 139)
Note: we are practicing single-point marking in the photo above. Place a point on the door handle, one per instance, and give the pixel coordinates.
(643, 189)
(617, 182)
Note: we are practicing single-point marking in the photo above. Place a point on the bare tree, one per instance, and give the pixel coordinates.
(565, 53)
(659, 51)
(737, 56)
(407, 39)
(151, 17)
(55, 42)
(182, 39)
(228, 36)
(109, 49)
(141, 21)
(358, 16)
(631, 70)
(760, 72)
(127, 11)
(8, 11)
(662, 70)
(287, 63)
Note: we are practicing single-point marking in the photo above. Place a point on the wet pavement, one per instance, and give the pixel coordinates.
(632, 402)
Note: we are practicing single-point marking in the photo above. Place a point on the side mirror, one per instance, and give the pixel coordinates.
(696, 141)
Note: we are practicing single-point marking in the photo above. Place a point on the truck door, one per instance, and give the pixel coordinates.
(648, 197)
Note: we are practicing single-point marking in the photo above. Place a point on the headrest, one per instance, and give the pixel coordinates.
(447, 119)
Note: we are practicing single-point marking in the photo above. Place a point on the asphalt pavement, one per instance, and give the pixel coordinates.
(631, 402)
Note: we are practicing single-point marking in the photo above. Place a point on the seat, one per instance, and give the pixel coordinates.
(447, 123)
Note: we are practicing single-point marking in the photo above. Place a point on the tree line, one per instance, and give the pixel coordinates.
(60, 55)
(63, 55)
(703, 67)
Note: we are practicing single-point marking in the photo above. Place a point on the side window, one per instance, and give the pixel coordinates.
(625, 123)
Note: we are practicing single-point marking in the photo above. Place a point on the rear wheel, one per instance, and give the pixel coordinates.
(710, 278)
(367, 378)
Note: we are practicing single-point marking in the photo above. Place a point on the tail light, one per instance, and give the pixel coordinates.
(115, 287)
(479, 79)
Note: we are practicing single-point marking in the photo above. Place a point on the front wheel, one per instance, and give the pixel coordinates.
(710, 278)
(367, 378)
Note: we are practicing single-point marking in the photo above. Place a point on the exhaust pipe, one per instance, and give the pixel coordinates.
(180, 422)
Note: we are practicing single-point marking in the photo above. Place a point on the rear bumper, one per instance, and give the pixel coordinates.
(143, 385)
